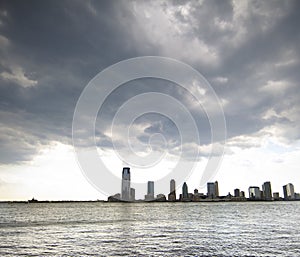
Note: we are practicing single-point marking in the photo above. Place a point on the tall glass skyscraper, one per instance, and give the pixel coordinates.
(288, 191)
(125, 195)
(172, 186)
(150, 189)
(267, 191)
(185, 193)
(172, 194)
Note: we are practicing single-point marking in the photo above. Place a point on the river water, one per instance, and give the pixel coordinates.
(150, 229)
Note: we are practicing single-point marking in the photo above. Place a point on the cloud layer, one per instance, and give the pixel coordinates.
(248, 51)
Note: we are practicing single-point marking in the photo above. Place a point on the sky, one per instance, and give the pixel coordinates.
(248, 51)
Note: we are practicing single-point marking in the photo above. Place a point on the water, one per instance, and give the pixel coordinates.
(156, 229)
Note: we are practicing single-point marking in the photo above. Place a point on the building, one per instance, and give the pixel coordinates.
(254, 193)
(185, 192)
(161, 198)
(276, 196)
(289, 192)
(242, 194)
(237, 192)
(172, 194)
(114, 198)
(132, 194)
(150, 191)
(267, 191)
(197, 196)
(125, 194)
(216, 188)
(212, 189)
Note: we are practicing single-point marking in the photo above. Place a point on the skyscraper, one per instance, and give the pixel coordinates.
(216, 189)
(237, 192)
(150, 189)
(288, 191)
(267, 191)
(125, 194)
(254, 193)
(132, 194)
(211, 190)
(172, 186)
(172, 194)
(185, 193)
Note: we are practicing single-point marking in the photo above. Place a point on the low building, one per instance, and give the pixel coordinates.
(114, 198)
(276, 196)
(161, 198)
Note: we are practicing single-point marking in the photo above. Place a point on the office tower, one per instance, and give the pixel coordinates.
(211, 190)
(237, 192)
(150, 191)
(132, 194)
(267, 191)
(125, 194)
(288, 191)
(172, 194)
(185, 193)
(216, 189)
(172, 186)
(254, 193)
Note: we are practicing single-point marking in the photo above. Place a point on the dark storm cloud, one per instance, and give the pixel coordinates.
(60, 45)
(249, 51)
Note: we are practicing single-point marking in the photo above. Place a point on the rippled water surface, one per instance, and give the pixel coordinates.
(156, 229)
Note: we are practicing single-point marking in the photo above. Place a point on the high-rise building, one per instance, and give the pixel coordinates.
(267, 191)
(185, 193)
(237, 192)
(216, 189)
(132, 194)
(172, 186)
(172, 194)
(288, 191)
(254, 193)
(125, 194)
(211, 190)
(150, 191)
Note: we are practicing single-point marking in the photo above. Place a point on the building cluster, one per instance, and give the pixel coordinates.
(255, 193)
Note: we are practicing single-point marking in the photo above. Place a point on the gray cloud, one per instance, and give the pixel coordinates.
(249, 51)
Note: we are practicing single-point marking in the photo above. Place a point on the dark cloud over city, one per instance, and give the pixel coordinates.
(50, 50)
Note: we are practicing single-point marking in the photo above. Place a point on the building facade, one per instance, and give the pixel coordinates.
(172, 194)
(254, 193)
(125, 194)
(267, 191)
(150, 191)
(185, 192)
(213, 189)
(289, 192)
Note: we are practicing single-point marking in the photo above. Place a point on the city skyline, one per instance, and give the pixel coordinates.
(212, 193)
(247, 52)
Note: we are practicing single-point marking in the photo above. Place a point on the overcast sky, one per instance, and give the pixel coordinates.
(249, 52)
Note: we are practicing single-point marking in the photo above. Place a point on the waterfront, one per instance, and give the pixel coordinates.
(156, 229)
